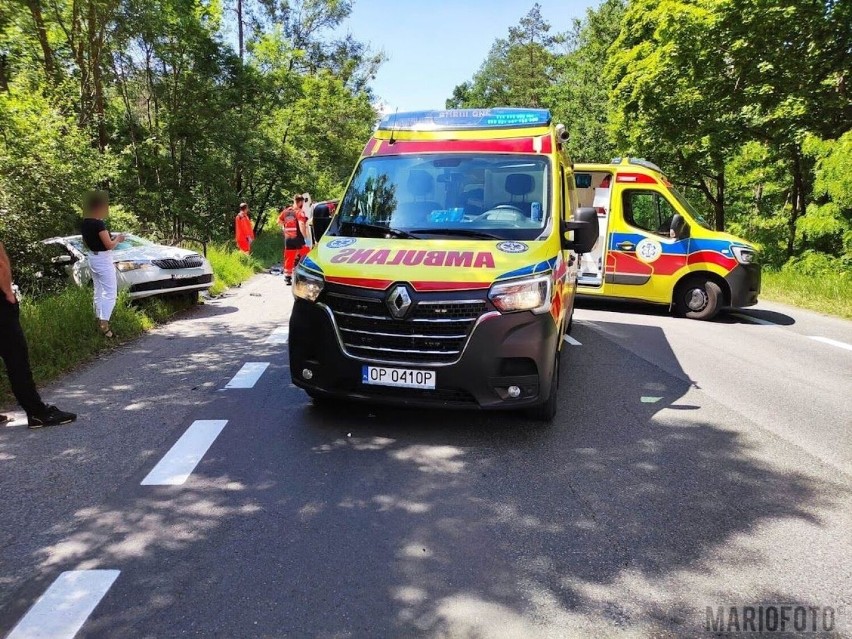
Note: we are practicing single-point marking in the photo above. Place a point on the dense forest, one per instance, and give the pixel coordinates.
(180, 108)
(745, 104)
(184, 108)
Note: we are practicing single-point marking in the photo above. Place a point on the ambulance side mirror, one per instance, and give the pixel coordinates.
(323, 213)
(585, 228)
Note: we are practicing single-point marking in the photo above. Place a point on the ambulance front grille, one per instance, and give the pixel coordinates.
(434, 332)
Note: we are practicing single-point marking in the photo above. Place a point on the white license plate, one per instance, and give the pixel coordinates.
(400, 377)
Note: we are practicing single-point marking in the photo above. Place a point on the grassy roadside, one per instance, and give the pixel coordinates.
(829, 293)
(61, 329)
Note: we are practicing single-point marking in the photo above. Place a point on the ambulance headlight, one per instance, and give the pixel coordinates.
(306, 285)
(529, 294)
(744, 255)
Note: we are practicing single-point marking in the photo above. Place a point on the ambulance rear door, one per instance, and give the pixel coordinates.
(593, 190)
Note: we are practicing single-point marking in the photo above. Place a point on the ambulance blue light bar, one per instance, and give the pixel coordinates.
(459, 119)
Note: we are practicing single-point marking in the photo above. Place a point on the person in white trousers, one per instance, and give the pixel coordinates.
(101, 243)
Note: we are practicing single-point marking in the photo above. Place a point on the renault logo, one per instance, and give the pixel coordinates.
(398, 302)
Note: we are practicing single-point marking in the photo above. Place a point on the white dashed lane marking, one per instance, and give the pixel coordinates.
(174, 469)
(754, 320)
(831, 342)
(280, 335)
(824, 340)
(570, 340)
(64, 607)
(248, 375)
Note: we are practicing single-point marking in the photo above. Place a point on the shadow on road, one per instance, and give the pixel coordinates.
(741, 315)
(726, 316)
(366, 521)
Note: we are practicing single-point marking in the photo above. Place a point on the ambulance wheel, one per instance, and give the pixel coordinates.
(699, 299)
(546, 411)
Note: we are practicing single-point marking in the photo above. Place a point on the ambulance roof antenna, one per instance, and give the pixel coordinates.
(393, 127)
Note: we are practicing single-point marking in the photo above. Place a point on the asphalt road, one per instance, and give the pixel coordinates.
(692, 465)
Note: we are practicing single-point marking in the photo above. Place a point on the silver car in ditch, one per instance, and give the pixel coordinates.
(143, 268)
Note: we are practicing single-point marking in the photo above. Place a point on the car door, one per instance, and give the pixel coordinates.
(643, 257)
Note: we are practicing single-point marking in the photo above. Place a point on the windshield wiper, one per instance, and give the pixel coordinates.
(461, 232)
(381, 229)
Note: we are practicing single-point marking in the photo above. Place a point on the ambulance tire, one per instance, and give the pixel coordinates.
(546, 411)
(699, 299)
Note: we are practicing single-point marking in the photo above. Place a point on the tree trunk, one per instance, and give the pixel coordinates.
(797, 202)
(4, 73)
(240, 34)
(719, 203)
(95, 47)
(41, 32)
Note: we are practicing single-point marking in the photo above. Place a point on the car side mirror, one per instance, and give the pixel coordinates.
(679, 228)
(586, 229)
(62, 259)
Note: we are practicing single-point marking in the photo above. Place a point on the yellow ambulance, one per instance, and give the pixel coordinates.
(655, 247)
(447, 276)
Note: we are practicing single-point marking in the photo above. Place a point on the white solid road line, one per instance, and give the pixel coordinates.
(64, 607)
(832, 342)
(755, 320)
(174, 469)
(248, 375)
(280, 335)
(571, 340)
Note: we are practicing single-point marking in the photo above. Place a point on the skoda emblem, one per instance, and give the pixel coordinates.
(398, 302)
(512, 247)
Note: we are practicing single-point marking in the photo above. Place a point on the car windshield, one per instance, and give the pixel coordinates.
(452, 195)
(130, 241)
(693, 212)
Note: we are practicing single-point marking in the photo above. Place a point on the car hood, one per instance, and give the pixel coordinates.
(153, 252)
(429, 265)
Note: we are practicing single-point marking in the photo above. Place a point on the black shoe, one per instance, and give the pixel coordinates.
(51, 416)
(289, 281)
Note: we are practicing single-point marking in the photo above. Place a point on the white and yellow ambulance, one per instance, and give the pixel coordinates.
(447, 276)
(655, 247)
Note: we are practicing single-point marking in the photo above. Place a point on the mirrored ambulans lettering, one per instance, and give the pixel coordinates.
(465, 259)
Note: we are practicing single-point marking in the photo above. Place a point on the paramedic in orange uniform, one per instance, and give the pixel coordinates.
(244, 229)
(294, 223)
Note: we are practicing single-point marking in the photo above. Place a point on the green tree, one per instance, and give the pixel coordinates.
(674, 97)
(580, 93)
(518, 70)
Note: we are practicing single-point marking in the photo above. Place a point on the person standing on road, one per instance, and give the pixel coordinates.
(244, 229)
(294, 224)
(101, 243)
(15, 355)
(309, 213)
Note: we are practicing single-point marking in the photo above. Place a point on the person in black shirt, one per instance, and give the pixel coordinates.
(14, 352)
(100, 242)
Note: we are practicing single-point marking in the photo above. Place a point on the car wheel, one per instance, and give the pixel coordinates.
(699, 299)
(546, 411)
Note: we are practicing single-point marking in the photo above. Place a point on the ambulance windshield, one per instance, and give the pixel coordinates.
(452, 195)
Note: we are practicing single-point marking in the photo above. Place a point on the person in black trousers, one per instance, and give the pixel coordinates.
(13, 350)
